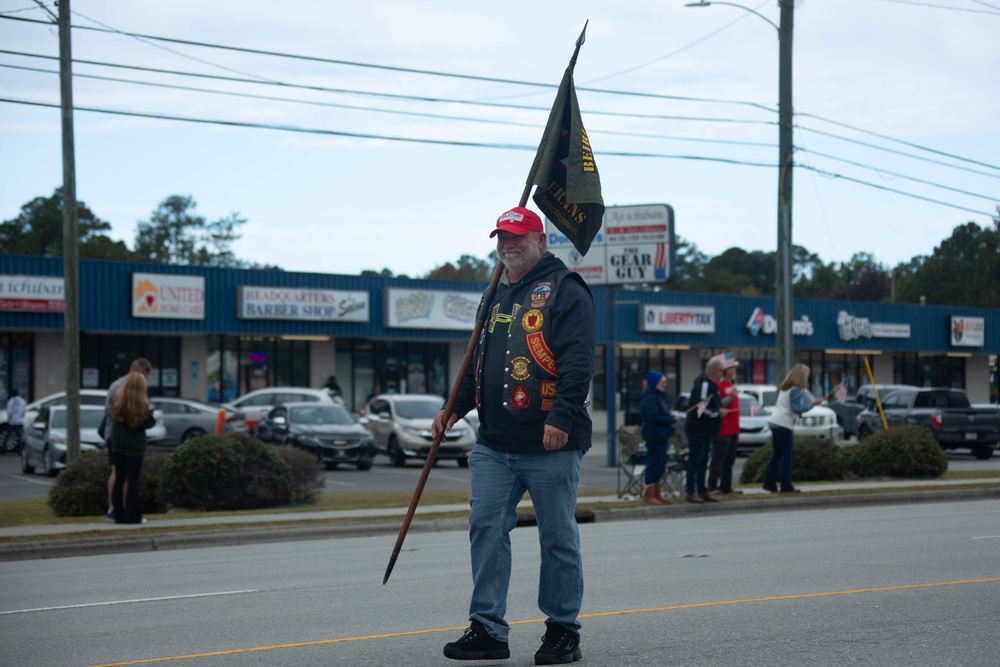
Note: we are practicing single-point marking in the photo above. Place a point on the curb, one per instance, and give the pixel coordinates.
(93, 546)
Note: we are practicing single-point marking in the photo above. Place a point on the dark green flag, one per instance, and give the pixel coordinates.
(569, 187)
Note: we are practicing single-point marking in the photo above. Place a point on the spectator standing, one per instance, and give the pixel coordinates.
(15, 421)
(533, 365)
(704, 418)
(726, 444)
(792, 401)
(657, 427)
(131, 417)
(140, 365)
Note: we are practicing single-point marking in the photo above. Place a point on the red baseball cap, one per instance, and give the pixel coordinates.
(518, 221)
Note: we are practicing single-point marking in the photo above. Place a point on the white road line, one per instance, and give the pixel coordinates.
(987, 537)
(25, 478)
(106, 604)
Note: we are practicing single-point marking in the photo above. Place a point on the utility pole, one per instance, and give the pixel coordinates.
(71, 240)
(783, 268)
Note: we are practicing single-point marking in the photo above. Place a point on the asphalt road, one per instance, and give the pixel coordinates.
(382, 478)
(877, 585)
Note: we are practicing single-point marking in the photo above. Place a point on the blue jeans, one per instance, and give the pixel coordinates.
(16, 430)
(498, 482)
(781, 459)
(698, 448)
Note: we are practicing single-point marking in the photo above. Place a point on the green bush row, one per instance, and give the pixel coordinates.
(211, 472)
(907, 451)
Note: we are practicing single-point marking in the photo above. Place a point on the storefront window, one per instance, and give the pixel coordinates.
(15, 366)
(104, 359)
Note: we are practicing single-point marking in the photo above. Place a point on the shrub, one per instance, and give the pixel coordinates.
(813, 460)
(226, 472)
(82, 488)
(905, 451)
(306, 474)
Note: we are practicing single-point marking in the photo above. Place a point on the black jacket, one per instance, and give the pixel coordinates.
(570, 339)
(710, 421)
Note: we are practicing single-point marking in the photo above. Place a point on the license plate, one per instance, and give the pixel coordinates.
(971, 436)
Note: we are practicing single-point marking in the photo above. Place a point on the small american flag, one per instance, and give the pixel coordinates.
(754, 409)
(841, 392)
(700, 408)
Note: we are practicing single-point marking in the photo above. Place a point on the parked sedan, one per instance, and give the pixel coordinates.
(327, 430)
(187, 418)
(88, 397)
(754, 430)
(401, 427)
(45, 435)
(256, 404)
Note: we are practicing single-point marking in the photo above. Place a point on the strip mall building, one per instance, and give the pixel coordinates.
(218, 333)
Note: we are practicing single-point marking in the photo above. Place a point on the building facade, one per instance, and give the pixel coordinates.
(215, 334)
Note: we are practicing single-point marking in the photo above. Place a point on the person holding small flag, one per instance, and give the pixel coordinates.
(657, 427)
(726, 444)
(704, 419)
(791, 403)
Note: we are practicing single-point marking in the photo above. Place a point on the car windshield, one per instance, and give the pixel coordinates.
(320, 414)
(417, 409)
(88, 418)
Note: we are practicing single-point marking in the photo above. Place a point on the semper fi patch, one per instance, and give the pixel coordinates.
(540, 295)
(541, 353)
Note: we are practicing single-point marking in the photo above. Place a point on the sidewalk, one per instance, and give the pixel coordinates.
(301, 524)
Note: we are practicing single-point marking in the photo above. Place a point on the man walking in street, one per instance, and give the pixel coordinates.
(530, 379)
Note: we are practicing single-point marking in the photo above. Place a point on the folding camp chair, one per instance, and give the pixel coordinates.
(672, 482)
(631, 462)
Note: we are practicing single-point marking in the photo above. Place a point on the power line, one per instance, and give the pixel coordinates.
(947, 7)
(399, 96)
(353, 107)
(395, 68)
(472, 144)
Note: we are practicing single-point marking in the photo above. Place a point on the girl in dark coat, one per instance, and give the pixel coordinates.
(131, 417)
(657, 427)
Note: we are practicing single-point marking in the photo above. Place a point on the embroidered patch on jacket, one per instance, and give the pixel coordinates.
(520, 368)
(541, 353)
(548, 389)
(547, 404)
(519, 399)
(540, 295)
(532, 320)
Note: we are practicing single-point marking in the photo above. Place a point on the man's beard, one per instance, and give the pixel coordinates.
(521, 259)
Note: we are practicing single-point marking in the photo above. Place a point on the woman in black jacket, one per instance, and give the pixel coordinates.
(657, 427)
(131, 417)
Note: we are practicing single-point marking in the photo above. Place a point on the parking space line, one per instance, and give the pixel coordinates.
(693, 605)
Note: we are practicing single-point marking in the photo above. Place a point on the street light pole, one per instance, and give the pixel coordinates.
(784, 347)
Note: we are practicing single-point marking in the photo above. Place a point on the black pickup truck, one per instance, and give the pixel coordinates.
(848, 411)
(946, 412)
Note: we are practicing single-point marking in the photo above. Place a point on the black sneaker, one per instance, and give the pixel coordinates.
(559, 646)
(477, 644)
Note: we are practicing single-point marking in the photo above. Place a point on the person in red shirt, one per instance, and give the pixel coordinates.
(724, 445)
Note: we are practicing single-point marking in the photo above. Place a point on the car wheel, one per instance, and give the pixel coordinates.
(26, 467)
(983, 452)
(463, 461)
(47, 463)
(193, 433)
(396, 453)
(364, 465)
(863, 433)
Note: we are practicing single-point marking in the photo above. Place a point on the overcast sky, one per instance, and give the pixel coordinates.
(892, 94)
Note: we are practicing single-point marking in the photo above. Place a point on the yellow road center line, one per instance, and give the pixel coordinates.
(693, 605)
